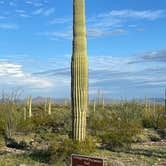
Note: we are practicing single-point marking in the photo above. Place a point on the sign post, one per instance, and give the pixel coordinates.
(79, 160)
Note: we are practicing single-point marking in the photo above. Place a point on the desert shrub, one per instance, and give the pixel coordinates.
(9, 115)
(2, 141)
(58, 122)
(121, 133)
(61, 151)
(116, 128)
(154, 118)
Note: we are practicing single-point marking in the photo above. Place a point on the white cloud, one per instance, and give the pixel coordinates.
(38, 11)
(115, 22)
(60, 21)
(44, 12)
(13, 74)
(36, 3)
(48, 12)
(136, 14)
(111, 74)
(8, 26)
(57, 35)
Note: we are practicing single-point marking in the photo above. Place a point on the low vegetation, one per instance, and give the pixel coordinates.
(122, 133)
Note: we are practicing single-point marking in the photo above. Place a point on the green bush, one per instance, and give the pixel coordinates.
(116, 128)
(154, 118)
(62, 150)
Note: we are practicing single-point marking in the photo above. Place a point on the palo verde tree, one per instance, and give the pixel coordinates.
(79, 72)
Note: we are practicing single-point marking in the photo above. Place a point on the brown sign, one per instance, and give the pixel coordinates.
(78, 160)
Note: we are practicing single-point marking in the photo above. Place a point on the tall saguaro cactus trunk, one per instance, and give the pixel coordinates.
(79, 72)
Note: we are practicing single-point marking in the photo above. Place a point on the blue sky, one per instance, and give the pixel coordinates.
(126, 47)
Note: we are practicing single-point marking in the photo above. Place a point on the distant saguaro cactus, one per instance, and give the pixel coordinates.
(45, 106)
(154, 105)
(25, 113)
(99, 97)
(146, 104)
(49, 106)
(94, 105)
(165, 100)
(149, 106)
(79, 72)
(103, 102)
(65, 102)
(29, 105)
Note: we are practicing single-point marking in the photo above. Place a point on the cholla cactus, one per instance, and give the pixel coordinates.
(29, 105)
(79, 72)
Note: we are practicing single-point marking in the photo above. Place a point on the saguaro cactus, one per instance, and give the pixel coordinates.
(99, 97)
(49, 106)
(154, 105)
(29, 105)
(65, 102)
(103, 101)
(165, 100)
(146, 104)
(94, 105)
(25, 113)
(79, 72)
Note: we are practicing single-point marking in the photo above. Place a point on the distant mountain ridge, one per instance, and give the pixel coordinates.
(40, 99)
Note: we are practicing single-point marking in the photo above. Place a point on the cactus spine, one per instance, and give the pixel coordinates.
(79, 72)
(29, 105)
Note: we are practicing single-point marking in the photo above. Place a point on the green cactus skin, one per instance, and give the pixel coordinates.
(79, 72)
(29, 105)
